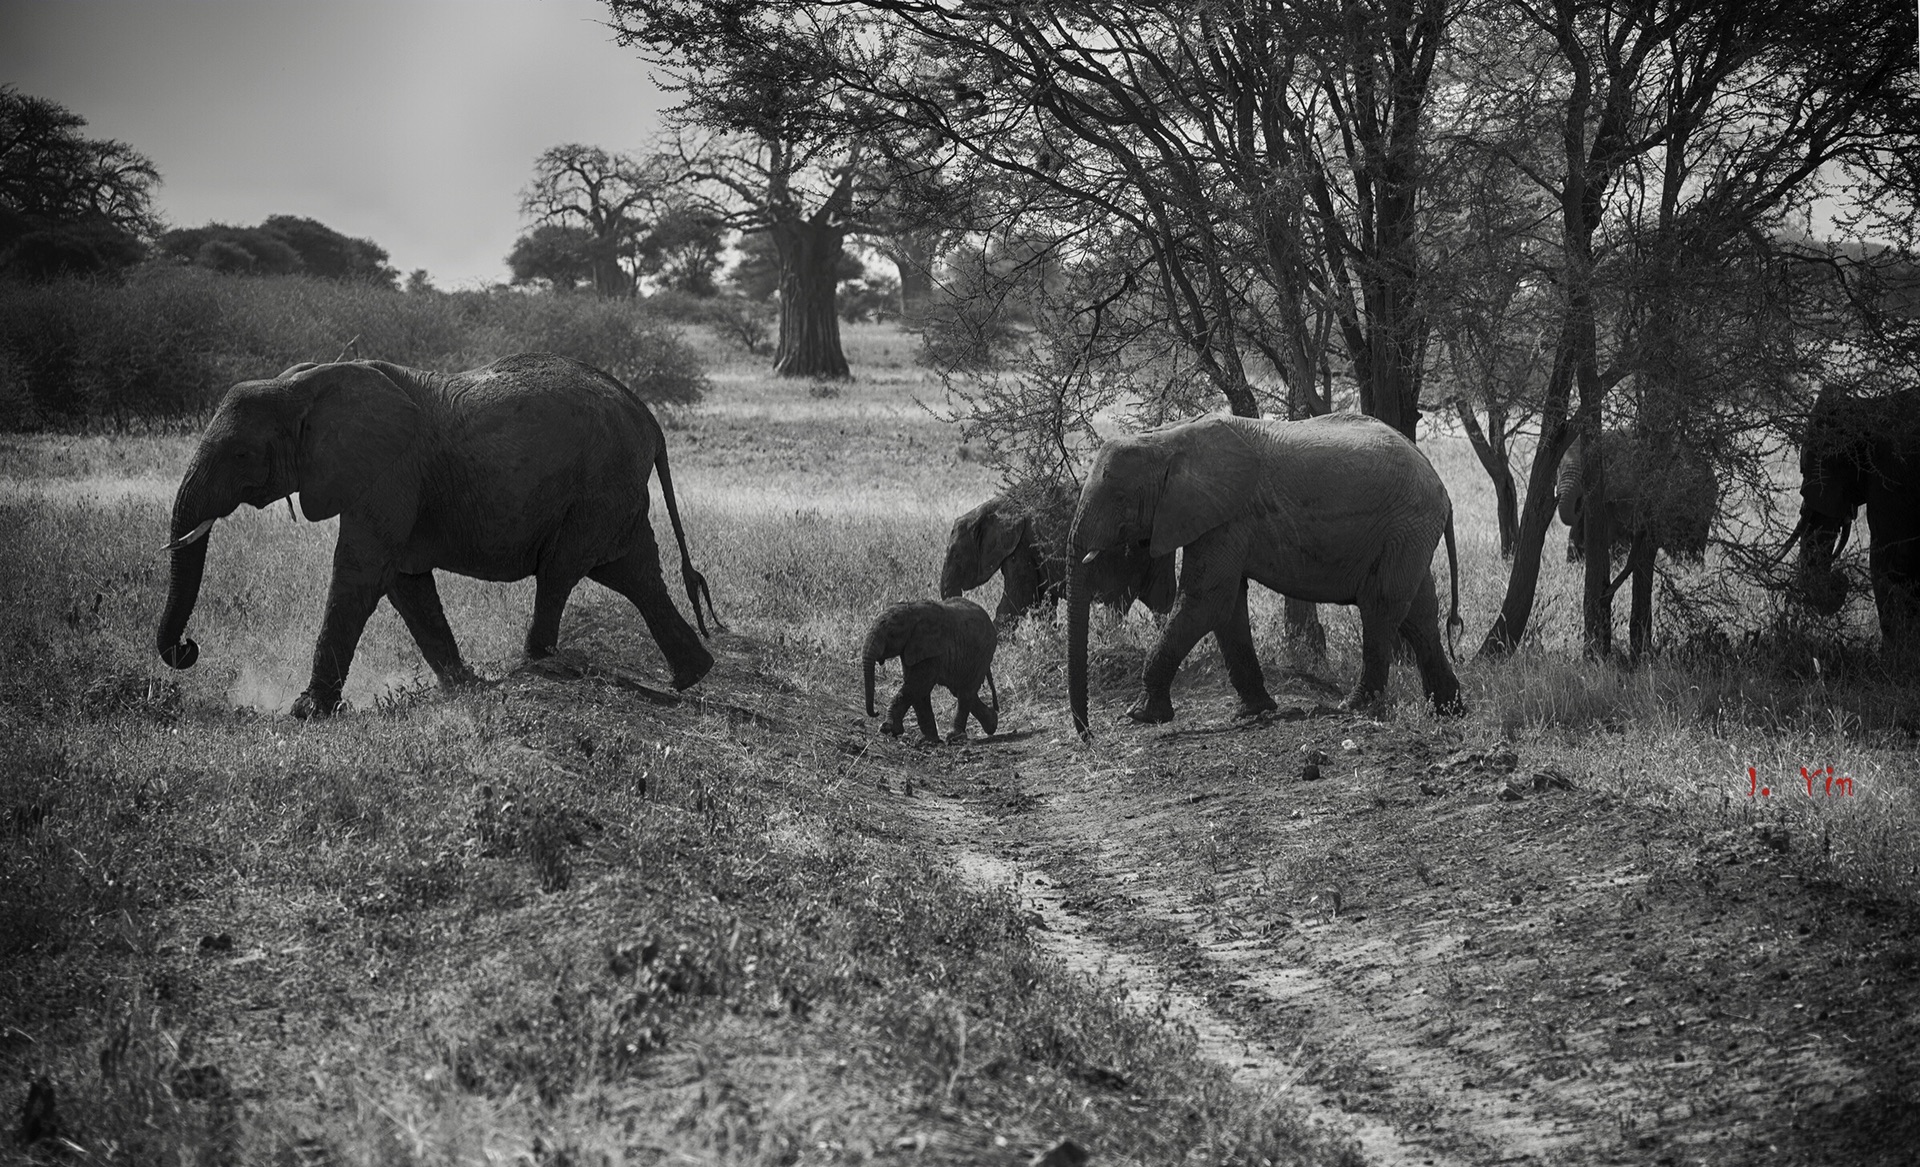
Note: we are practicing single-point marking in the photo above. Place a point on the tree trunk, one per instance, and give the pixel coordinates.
(913, 254)
(1640, 616)
(1536, 514)
(1492, 452)
(1597, 516)
(809, 325)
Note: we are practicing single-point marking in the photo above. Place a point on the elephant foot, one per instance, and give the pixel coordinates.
(957, 737)
(541, 651)
(1156, 709)
(316, 706)
(1362, 701)
(1255, 706)
(461, 677)
(890, 728)
(686, 676)
(1448, 704)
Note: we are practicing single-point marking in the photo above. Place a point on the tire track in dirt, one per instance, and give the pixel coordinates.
(1065, 937)
(1447, 1110)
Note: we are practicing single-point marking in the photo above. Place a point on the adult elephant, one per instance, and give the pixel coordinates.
(1657, 499)
(535, 465)
(1339, 509)
(1863, 450)
(1022, 535)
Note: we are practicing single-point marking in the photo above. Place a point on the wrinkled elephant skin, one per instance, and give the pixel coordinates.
(1339, 509)
(1864, 450)
(1022, 535)
(948, 643)
(536, 465)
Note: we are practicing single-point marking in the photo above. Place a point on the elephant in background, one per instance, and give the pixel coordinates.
(1338, 509)
(535, 465)
(939, 642)
(1657, 499)
(1022, 534)
(1669, 494)
(1862, 450)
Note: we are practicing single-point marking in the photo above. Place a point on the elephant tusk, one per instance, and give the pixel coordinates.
(1799, 529)
(1089, 556)
(193, 536)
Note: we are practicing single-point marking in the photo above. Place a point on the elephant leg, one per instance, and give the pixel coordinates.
(636, 576)
(418, 602)
(1381, 620)
(968, 704)
(550, 593)
(358, 583)
(1421, 631)
(988, 719)
(916, 693)
(1203, 606)
(1235, 638)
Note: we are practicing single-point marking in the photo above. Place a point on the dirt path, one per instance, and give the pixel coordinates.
(1452, 958)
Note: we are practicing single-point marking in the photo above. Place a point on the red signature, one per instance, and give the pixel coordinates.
(1833, 783)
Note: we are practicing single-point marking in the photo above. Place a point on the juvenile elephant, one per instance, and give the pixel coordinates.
(535, 465)
(939, 642)
(1864, 450)
(1022, 534)
(1339, 509)
(1657, 500)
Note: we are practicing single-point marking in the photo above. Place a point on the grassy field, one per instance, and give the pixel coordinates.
(561, 921)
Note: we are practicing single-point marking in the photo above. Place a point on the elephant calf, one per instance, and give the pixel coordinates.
(535, 465)
(939, 642)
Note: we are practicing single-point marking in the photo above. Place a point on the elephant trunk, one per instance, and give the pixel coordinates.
(1821, 581)
(1079, 598)
(189, 550)
(871, 711)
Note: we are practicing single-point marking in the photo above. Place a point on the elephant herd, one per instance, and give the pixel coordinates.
(537, 465)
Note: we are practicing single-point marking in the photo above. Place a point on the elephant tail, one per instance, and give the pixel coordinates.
(696, 583)
(1454, 624)
(993, 692)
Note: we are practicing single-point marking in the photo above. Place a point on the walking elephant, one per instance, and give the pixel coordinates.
(1658, 499)
(939, 642)
(1339, 509)
(1863, 450)
(535, 465)
(1022, 534)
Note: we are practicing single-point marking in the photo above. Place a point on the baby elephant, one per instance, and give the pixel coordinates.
(939, 642)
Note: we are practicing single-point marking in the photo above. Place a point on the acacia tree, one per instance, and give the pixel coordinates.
(600, 192)
(68, 203)
(1699, 120)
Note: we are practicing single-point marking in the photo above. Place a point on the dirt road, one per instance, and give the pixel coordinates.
(1458, 954)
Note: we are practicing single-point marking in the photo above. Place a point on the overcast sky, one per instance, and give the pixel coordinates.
(413, 123)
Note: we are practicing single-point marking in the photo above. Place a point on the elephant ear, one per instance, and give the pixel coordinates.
(354, 438)
(1208, 482)
(1000, 536)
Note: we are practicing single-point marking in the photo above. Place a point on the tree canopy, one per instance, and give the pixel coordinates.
(69, 204)
(281, 245)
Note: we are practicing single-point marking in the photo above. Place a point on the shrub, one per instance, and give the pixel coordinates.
(169, 341)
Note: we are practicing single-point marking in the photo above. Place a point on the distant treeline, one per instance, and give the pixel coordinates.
(170, 340)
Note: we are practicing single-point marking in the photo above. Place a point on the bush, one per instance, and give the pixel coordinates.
(169, 341)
